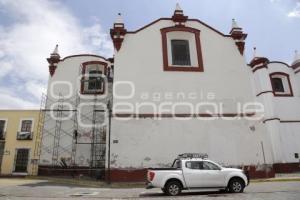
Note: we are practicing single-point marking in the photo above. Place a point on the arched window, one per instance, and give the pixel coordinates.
(281, 84)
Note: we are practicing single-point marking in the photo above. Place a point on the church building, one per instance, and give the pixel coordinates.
(176, 85)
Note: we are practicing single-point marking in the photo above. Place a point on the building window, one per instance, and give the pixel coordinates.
(93, 77)
(181, 49)
(25, 132)
(281, 84)
(2, 129)
(26, 125)
(180, 52)
(95, 81)
(278, 84)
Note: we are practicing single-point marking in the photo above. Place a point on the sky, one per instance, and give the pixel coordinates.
(30, 29)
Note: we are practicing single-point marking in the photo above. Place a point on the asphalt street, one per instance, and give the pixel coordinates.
(38, 189)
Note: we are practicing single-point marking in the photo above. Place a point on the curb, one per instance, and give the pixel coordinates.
(275, 180)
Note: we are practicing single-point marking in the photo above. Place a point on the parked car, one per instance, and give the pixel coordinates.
(195, 171)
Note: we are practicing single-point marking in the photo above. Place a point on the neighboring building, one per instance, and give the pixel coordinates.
(174, 63)
(19, 149)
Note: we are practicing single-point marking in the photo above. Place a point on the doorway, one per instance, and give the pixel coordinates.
(21, 160)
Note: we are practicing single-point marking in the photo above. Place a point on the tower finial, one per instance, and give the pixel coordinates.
(234, 24)
(254, 52)
(297, 55)
(178, 8)
(55, 51)
(119, 19)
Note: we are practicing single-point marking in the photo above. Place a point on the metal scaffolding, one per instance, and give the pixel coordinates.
(59, 135)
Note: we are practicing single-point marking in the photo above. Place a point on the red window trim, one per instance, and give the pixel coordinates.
(166, 65)
(84, 66)
(291, 94)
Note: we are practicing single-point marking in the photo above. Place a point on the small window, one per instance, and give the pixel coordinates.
(26, 125)
(210, 166)
(194, 165)
(2, 129)
(296, 155)
(180, 52)
(281, 84)
(95, 80)
(278, 84)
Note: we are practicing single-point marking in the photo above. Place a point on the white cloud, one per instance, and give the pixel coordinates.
(26, 43)
(296, 11)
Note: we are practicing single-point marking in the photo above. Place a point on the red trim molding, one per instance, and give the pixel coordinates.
(279, 62)
(188, 20)
(282, 121)
(271, 119)
(258, 68)
(258, 60)
(289, 121)
(289, 82)
(296, 72)
(80, 55)
(168, 67)
(183, 115)
(296, 66)
(84, 66)
(264, 92)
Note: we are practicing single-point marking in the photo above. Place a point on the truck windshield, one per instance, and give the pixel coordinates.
(176, 164)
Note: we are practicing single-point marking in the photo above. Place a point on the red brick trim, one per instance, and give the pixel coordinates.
(271, 119)
(289, 82)
(127, 175)
(84, 66)
(296, 66)
(258, 60)
(191, 20)
(279, 62)
(260, 67)
(289, 121)
(264, 92)
(286, 167)
(80, 55)
(183, 115)
(168, 67)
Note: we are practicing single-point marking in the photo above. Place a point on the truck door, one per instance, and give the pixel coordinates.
(202, 174)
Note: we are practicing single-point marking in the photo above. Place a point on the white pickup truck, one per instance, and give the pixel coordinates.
(196, 173)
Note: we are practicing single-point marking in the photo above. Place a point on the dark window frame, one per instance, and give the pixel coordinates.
(288, 93)
(278, 84)
(198, 54)
(85, 78)
(2, 129)
(180, 57)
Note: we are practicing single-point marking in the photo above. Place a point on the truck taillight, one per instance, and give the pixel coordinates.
(151, 176)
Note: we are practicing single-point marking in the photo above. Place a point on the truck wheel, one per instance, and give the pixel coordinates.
(236, 185)
(173, 188)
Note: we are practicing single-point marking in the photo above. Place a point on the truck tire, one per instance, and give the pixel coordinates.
(236, 185)
(173, 188)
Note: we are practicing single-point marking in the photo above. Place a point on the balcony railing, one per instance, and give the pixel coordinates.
(24, 135)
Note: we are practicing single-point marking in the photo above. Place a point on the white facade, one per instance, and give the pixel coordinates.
(161, 110)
